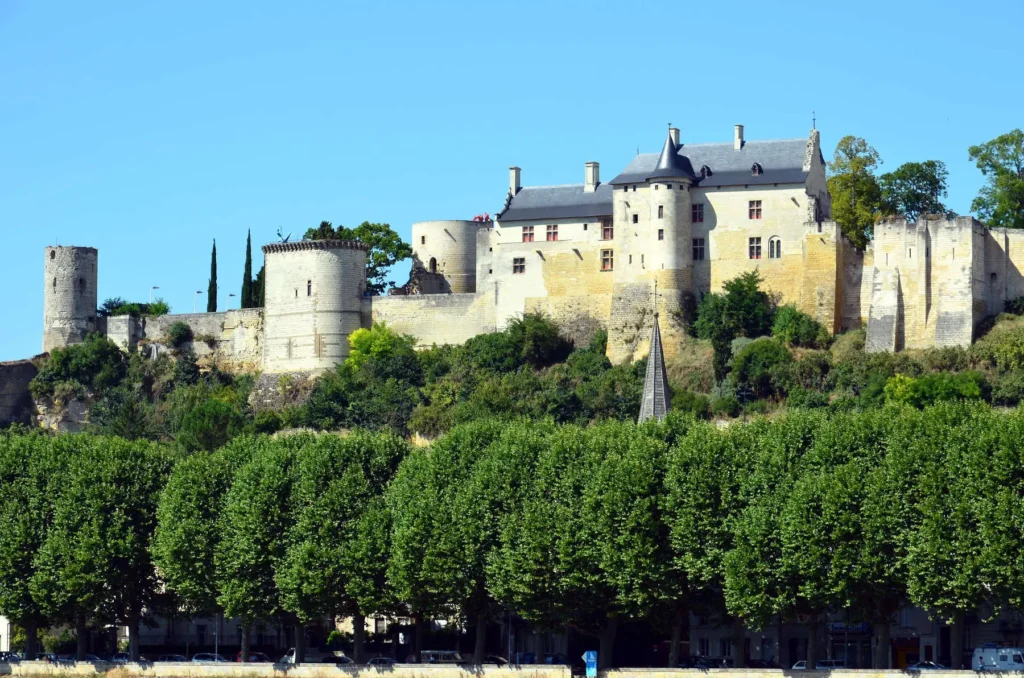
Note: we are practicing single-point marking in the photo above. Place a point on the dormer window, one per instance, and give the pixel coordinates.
(756, 169)
(705, 172)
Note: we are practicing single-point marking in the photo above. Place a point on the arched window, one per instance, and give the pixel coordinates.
(53, 255)
(756, 169)
(774, 247)
(433, 265)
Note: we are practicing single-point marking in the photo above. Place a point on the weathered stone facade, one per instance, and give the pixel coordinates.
(595, 255)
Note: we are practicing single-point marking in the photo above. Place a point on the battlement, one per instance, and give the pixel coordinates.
(300, 245)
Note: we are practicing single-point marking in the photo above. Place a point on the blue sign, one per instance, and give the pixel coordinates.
(590, 657)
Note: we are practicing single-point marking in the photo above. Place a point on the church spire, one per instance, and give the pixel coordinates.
(655, 401)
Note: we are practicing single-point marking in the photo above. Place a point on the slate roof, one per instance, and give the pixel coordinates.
(655, 401)
(559, 202)
(781, 160)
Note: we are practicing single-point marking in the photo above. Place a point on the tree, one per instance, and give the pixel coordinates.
(386, 248)
(856, 195)
(247, 300)
(743, 309)
(211, 290)
(258, 288)
(915, 188)
(1000, 202)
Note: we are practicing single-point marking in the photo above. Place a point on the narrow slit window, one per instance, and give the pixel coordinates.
(309, 288)
(661, 211)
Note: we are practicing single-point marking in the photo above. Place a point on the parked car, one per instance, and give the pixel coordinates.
(441, 657)
(381, 662)
(120, 658)
(926, 666)
(994, 658)
(821, 664)
(208, 658)
(9, 658)
(495, 659)
(172, 658)
(555, 658)
(315, 655)
(254, 658)
(695, 663)
(761, 664)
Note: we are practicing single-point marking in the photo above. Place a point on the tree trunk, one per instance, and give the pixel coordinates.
(739, 644)
(812, 642)
(300, 642)
(133, 638)
(677, 636)
(956, 642)
(395, 637)
(883, 655)
(480, 644)
(359, 637)
(606, 643)
(82, 633)
(244, 632)
(31, 639)
(417, 640)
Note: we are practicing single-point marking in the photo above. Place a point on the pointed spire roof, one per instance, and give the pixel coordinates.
(671, 164)
(655, 401)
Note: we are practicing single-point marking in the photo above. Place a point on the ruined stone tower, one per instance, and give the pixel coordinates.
(69, 296)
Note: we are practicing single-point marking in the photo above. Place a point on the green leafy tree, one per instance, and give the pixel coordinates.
(247, 297)
(386, 248)
(856, 195)
(743, 309)
(211, 290)
(915, 188)
(1000, 202)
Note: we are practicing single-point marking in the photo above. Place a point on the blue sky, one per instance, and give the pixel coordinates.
(149, 129)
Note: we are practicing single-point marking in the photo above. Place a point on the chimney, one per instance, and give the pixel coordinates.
(592, 177)
(674, 133)
(513, 179)
(737, 140)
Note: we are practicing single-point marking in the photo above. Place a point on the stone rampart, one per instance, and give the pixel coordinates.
(435, 318)
(231, 340)
(15, 401)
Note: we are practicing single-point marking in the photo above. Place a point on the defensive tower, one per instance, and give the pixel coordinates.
(313, 298)
(448, 249)
(69, 295)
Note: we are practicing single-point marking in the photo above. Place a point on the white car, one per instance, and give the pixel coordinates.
(926, 666)
(821, 664)
(208, 658)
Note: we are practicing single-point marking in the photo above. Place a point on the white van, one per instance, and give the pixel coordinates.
(998, 659)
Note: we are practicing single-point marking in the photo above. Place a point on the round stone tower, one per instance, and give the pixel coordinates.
(447, 248)
(673, 177)
(69, 295)
(312, 303)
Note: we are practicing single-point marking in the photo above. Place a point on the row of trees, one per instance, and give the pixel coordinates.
(860, 198)
(566, 526)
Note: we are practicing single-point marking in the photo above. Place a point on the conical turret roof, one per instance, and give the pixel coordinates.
(655, 400)
(672, 164)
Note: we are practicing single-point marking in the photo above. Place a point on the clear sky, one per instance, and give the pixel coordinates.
(149, 129)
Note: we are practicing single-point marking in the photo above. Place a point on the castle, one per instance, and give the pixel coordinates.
(668, 228)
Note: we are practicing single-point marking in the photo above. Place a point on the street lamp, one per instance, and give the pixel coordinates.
(230, 295)
(194, 297)
(154, 287)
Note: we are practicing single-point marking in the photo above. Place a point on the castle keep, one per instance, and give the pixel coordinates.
(668, 228)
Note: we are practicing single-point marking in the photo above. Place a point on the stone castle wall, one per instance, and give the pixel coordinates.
(434, 318)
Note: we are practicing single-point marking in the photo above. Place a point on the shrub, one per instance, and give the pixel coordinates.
(267, 421)
(811, 370)
(1008, 388)
(795, 328)
(802, 397)
(178, 334)
(742, 310)
(118, 306)
(96, 364)
(726, 405)
(697, 405)
(762, 367)
(1003, 346)
(1014, 306)
(539, 341)
(935, 387)
(757, 407)
(945, 359)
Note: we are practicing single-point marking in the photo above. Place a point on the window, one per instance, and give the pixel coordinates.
(756, 170)
(634, 188)
(636, 218)
(54, 283)
(697, 213)
(309, 288)
(705, 172)
(630, 259)
(755, 248)
(607, 260)
(433, 265)
(527, 233)
(607, 230)
(53, 255)
(656, 187)
(661, 211)
(668, 186)
(755, 209)
(519, 265)
(698, 249)
(552, 232)
(584, 227)
(774, 248)
(81, 285)
(423, 240)
(661, 234)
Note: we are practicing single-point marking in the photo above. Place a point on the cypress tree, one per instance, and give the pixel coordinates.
(258, 300)
(211, 291)
(247, 273)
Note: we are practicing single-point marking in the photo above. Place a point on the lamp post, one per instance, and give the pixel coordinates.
(154, 287)
(194, 297)
(230, 295)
